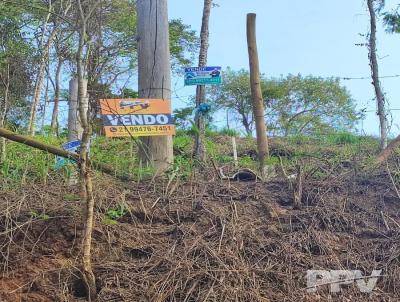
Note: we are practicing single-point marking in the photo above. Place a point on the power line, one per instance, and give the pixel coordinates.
(369, 78)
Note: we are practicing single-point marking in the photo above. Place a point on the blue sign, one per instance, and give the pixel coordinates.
(73, 147)
(203, 76)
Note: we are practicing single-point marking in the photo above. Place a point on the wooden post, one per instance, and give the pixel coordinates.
(235, 155)
(154, 75)
(258, 102)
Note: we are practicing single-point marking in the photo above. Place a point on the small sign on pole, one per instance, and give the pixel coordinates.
(203, 76)
(72, 146)
(137, 117)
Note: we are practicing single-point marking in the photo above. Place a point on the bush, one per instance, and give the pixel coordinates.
(229, 132)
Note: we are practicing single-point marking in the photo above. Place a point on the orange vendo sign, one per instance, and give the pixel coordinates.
(137, 117)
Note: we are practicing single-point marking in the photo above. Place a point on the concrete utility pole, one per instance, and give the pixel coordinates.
(199, 147)
(154, 75)
(75, 129)
(258, 102)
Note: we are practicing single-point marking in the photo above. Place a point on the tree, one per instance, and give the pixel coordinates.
(49, 28)
(312, 104)
(380, 97)
(182, 117)
(85, 9)
(392, 22)
(391, 19)
(294, 105)
(234, 94)
(199, 147)
(15, 70)
(46, 35)
(184, 44)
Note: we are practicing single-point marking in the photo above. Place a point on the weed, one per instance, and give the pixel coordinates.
(341, 138)
(229, 132)
(182, 144)
(39, 216)
(222, 158)
(71, 197)
(247, 162)
(112, 215)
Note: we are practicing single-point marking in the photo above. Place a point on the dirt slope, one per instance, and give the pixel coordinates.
(203, 240)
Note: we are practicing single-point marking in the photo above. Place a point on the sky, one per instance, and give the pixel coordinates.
(310, 37)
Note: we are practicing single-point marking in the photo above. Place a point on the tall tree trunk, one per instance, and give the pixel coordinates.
(57, 93)
(35, 99)
(46, 102)
(246, 124)
(199, 147)
(39, 85)
(154, 75)
(380, 97)
(75, 126)
(3, 112)
(257, 98)
(86, 185)
(44, 48)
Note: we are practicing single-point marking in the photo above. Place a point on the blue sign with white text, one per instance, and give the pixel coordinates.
(72, 146)
(203, 75)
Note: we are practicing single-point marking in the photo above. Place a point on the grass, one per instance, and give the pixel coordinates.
(25, 164)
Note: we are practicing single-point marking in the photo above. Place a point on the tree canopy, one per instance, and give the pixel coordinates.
(295, 104)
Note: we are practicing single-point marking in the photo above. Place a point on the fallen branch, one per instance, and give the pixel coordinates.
(31, 142)
(385, 154)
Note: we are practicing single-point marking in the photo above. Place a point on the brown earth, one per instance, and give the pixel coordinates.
(204, 240)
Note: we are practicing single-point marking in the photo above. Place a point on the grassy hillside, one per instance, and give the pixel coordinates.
(194, 237)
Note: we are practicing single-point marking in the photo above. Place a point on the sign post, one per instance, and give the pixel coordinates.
(137, 117)
(203, 76)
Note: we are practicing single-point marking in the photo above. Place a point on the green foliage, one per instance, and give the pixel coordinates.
(343, 138)
(112, 215)
(116, 213)
(247, 162)
(108, 221)
(183, 167)
(211, 147)
(182, 117)
(71, 197)
(294, 104)
(39, 216)
(210, 131)
(24, 164)
(312, 104)
(222, 158)
(229, 132)
(129, 93)
(117, 152)
(16, 70)
(183, 143)
(183, 42)
(392, 21)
